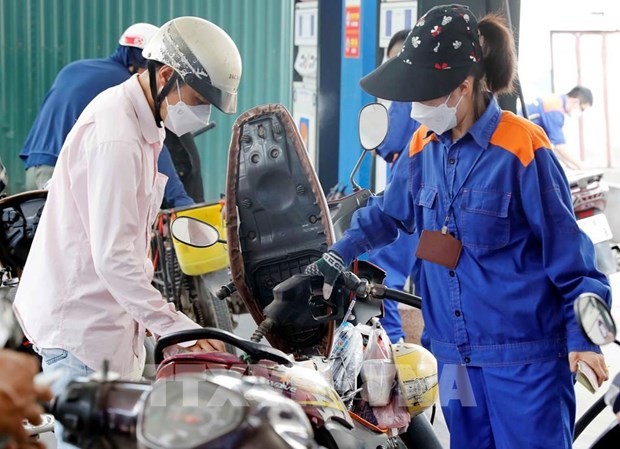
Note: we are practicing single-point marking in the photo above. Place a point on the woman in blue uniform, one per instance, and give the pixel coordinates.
(500, 258)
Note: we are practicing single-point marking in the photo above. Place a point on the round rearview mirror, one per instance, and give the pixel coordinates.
(595, 319)
(193, 232)
(373, 125)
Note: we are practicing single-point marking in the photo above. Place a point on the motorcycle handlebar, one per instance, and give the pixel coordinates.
(255, 350)
(402, 297)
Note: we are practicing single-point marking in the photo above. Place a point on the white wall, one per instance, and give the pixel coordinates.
(539, 18)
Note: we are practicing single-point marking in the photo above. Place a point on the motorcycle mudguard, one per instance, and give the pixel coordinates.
(277, 218)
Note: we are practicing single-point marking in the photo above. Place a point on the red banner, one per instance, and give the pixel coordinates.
(352, 31)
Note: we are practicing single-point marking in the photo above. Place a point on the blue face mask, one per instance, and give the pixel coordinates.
(182, 118)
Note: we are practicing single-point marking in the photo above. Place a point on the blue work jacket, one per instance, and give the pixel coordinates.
(524, 260)
(401, 128)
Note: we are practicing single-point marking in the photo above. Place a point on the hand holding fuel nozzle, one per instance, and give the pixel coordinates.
(330, 266)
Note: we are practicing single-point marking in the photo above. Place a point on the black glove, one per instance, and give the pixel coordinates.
(330, 266)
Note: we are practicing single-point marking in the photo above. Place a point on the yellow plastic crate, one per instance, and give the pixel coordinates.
(196, 261)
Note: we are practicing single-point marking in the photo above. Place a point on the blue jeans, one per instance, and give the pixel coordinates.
(55, 359)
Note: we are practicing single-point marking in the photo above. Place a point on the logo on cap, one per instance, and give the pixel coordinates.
(136, 41)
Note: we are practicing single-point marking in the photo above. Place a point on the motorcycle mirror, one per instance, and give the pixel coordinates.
(373, 125)
(194, 232)
(595, 319)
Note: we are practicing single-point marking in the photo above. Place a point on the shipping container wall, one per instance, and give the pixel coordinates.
(38, 37)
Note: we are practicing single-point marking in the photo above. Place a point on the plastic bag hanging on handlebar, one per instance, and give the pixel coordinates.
(378, 369)
(378, 346)
(346, 358)
(394, 415)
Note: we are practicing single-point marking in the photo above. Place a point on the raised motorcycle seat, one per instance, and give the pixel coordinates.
(277, 218)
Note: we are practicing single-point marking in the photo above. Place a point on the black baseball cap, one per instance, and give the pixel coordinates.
(436, 57)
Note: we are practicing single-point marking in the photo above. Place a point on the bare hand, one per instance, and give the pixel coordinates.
(207, 346)
(594, 360)
(18, 394)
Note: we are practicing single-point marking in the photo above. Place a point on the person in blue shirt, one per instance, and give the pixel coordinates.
(74, 87)
(550, 112)
(500, 258)
(397, 258)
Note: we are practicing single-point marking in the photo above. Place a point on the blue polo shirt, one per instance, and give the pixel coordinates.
(524, 260)
(76, 85)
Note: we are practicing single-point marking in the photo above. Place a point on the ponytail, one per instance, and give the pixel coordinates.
(499, 60)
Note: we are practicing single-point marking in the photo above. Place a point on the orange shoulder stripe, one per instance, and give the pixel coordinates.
(519, 137)
(553, 103)
(419, 140)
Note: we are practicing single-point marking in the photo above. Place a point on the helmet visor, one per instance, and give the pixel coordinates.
(224, 101)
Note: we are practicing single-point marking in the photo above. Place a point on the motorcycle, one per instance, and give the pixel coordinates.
(278, 222)
(589, 193)
(19, 217)
(598, 325)
(209, 411)
(304, 378)
(189, 279)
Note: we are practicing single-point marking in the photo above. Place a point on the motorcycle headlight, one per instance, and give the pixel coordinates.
(187, 413)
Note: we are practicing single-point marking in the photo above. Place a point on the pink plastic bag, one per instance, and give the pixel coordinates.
(393, 415)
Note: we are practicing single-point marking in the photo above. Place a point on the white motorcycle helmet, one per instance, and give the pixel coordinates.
(137, 35)
(202, 55)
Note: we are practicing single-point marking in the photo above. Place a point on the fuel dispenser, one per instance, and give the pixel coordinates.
(305, 73)
(316, 82)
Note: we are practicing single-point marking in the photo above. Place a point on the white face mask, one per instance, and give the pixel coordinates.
(182, 118)
(576, 112)
(438, 119)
